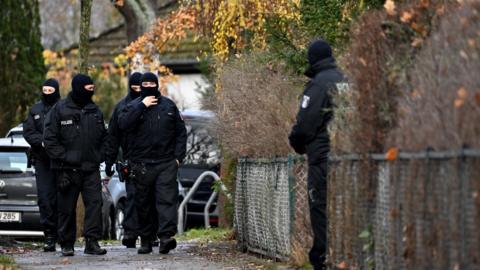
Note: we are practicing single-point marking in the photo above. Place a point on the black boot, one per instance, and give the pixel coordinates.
(146, 246)
(167, 244)
(49, 245)
(129, 242)
(67, 250)
(92, 247)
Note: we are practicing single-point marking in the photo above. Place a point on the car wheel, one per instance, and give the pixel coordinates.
(119, 216)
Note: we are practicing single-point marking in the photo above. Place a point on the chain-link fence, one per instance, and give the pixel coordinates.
(421, 211)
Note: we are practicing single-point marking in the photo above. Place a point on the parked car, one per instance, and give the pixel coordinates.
(14, 194)
(202, 155)
(19, 214)
(16, 132)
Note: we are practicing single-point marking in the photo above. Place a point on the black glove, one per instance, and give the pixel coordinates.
(109, 169)
(64, 181)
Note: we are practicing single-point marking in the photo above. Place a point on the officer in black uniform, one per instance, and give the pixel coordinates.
(157, 150)
(309, 135)
(116, 140)
(45, 177)
(74, 138)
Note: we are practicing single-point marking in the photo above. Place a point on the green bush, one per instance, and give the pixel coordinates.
(21, 62)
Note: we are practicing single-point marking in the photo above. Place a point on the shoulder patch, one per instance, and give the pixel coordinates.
(305, 101)
(36, 116)
(342, 86)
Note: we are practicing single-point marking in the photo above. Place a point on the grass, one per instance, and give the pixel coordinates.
(7, 262)
(206, 235)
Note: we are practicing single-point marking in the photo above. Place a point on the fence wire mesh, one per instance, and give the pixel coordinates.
(421, 211)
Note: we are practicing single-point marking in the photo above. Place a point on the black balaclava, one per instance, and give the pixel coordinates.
(52, 98)
(149, 91)
(318, 51)
(135, 79)
(80, 95)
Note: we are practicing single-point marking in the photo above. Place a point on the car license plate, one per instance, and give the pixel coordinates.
(10, 217)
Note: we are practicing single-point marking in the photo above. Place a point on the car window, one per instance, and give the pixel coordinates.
(13, 161)
(202, 148)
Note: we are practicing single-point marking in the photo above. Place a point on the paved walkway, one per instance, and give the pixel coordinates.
(188, 255)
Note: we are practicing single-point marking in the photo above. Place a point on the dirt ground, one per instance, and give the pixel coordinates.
(188, 255)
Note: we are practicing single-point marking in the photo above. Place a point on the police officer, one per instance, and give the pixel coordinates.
(118, 139)
(309, 135)
(155, 154)
(45, 177)
(74, 139)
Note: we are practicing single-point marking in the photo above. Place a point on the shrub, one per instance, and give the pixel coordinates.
(256, 108)
(441, 108)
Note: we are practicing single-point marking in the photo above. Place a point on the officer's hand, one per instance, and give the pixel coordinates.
(178, 162)
(149, 101)
(109, 169)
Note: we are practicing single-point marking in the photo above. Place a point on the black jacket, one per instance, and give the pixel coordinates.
(75, 137)
(116, 138)
(309, 134)
(33, 130)
(155, 134)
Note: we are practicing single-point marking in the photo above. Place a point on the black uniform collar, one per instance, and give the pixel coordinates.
(327, 63)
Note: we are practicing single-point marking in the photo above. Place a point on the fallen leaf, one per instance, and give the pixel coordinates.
(458, 103)
(463, 54)
(471, 42)
(391, 154)
(462, 93)
(119, 3)
(390, 7)
(441, 10)
(65, 261)
(406, 17)
(362, 61)
(456, 267)
(342, 265)
(417, 42)
(477, 98)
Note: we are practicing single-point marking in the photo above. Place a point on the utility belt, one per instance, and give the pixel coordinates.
(128, 170)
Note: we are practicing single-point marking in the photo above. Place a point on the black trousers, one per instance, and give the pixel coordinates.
(47, 197)
(87, 183)
(317, 191)
(130, 220)
(156, 187)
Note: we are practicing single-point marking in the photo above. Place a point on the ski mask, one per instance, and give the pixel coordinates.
(149, 91)
(135, 79)
(80, 95)
(51, 99)
(318, 51)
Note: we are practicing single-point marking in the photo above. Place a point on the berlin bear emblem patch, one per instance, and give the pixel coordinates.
(305, 101)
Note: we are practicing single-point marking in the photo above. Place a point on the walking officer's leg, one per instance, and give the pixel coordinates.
(317, 191)
(47, 202)
(67, 197)
(166, 199)
(130, 221)
(92, 199)
(144, 199)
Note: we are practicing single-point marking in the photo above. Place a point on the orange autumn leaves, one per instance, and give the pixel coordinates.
(414, 17)
(462, 96)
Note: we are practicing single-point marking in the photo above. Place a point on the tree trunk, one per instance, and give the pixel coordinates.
(85, 12)
(139, 15)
